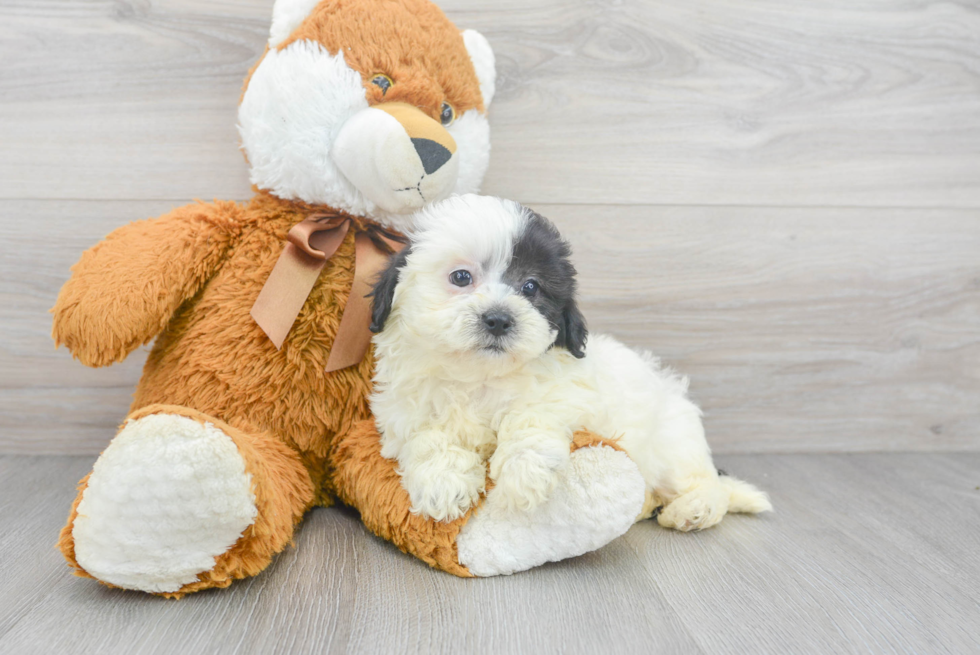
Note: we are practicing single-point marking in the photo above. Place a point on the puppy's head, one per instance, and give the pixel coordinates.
(484, 279)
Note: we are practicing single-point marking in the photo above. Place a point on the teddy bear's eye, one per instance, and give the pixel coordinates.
(461, 278)
(383, 82)
(447, 114)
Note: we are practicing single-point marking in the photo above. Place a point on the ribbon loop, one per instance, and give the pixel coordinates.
(309, 245)
(319, 236)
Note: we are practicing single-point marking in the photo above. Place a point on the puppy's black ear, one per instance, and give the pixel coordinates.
(572, 333)
(384, 290)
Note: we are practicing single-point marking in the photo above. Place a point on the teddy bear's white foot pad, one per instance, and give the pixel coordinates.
(596, 500)
(165, 498)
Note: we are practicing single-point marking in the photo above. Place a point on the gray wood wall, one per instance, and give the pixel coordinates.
(779, 197)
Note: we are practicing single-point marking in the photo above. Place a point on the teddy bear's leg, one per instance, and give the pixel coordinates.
(180, 501)
(370, 483)
(597, 499)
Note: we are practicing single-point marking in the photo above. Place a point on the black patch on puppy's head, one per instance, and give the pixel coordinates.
(383, 293)
(541, 255)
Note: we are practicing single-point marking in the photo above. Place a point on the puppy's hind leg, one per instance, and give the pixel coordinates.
(697, 496)
(707, 502)
(701, 506)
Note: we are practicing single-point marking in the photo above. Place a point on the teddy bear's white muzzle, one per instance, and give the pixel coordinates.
(398, 166)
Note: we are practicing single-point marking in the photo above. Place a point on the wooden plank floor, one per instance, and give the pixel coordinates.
(867, 553)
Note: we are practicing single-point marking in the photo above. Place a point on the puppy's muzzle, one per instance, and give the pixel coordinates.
(498, 322)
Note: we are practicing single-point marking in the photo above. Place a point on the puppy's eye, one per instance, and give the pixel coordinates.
(461, 278)
(530, 288)
(447, 114)
(383, 82)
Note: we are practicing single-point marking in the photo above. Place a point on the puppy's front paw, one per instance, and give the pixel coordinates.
(445, 495)
(524, 480)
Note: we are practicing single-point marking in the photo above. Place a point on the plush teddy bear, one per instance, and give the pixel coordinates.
(252, 407)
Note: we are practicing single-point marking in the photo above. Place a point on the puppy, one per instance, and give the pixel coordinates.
(481, 356)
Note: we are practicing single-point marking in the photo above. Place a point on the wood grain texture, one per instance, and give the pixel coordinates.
(48, 402)
(803, 330)
(865, 554)
(773, 102)
(32, 505)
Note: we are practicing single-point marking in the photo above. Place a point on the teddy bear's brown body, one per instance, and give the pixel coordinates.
(301, 431)
(293, 434)
(212, 360)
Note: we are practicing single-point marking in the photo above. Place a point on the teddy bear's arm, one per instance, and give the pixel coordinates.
(124, 290)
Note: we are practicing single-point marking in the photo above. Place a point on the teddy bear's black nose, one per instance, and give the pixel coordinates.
(498, 323)
(432, 154)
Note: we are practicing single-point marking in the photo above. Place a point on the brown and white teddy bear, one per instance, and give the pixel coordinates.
(253, 404)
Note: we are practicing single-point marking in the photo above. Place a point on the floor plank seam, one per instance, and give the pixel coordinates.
(551, 203)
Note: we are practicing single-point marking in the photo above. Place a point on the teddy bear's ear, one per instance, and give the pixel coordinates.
(483, 61)
(286, 17)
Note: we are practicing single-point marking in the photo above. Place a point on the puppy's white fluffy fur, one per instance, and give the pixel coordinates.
(449, 397)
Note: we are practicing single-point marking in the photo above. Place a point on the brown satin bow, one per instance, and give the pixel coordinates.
(309, 245)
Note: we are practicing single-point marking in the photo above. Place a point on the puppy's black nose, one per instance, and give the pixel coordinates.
(498, 323)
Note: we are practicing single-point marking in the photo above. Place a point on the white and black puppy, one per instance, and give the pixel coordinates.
(481, 355)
